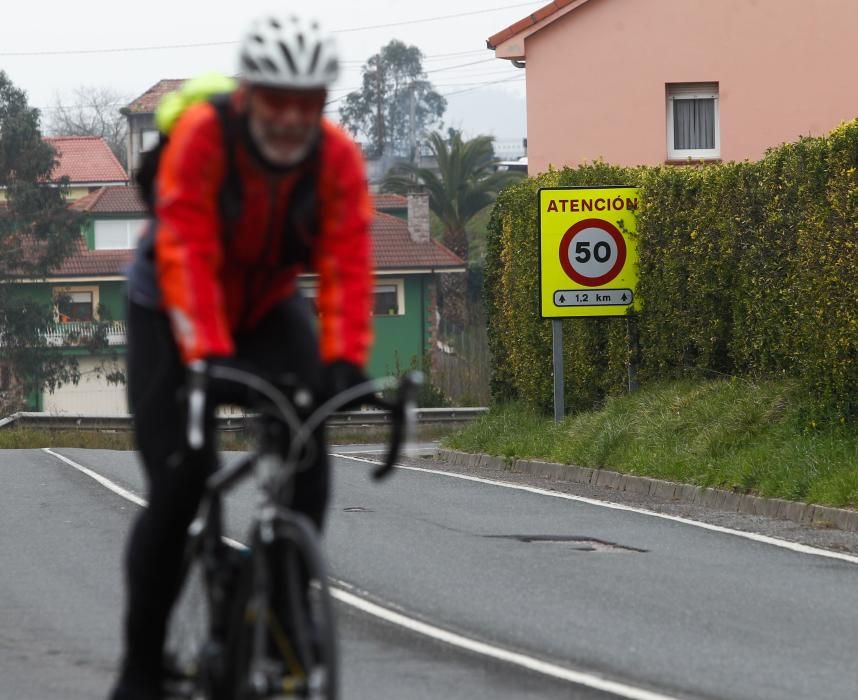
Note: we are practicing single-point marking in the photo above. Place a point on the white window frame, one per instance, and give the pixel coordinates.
(399, 285)
(133, 230)
(310, 289)
(63, 291)
(693, 91)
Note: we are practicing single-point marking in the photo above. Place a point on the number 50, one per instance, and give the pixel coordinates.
(601, 252)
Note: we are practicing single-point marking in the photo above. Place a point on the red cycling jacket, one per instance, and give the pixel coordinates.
(214, 286)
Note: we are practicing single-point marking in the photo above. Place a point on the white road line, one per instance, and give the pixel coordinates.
(522, 660)
(764, 539)
(359, 451)
(396, 618)
(107, 483)
(117, 489)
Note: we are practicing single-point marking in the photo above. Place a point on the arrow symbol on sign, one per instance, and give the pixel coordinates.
(562, 299)
(625, 298)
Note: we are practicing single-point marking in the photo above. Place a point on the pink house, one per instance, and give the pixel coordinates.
(653, 81)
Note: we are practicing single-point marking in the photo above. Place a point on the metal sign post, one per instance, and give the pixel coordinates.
(587, 262)
(557, 354)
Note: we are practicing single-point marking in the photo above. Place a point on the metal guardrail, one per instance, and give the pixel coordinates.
(354, 419)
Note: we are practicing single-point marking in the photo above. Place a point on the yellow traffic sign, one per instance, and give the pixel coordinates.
(588, 263)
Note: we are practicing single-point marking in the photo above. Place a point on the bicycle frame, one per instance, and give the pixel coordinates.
(282, 452)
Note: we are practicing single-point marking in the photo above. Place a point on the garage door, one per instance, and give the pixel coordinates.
(92, 396)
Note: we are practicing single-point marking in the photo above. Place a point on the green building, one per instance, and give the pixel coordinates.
(89, 287)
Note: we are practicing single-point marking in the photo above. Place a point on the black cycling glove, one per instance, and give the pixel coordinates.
(341, 375)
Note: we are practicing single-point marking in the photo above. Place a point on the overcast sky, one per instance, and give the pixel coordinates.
(60, 40)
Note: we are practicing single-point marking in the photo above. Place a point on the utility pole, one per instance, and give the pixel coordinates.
(412, 122)
(379, 97)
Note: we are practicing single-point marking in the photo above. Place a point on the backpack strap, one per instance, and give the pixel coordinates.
(231, 190)
(147, 172)
(230, 193)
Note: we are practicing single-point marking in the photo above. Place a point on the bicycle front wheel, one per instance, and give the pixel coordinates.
(283, 640)
(188, 633)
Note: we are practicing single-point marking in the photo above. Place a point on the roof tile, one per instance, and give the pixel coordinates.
(393, 249)
(533, 18)
(112, 200)
(85, 159)
(94, 263)
(385, 201)
(148, 101)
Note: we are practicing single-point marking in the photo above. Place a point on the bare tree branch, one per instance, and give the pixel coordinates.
(91, 111)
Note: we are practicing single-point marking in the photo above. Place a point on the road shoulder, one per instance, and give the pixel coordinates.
(678, 500)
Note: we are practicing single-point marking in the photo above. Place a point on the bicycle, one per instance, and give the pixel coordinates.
(257, 621)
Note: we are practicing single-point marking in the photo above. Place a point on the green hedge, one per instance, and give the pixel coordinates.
(747, 269)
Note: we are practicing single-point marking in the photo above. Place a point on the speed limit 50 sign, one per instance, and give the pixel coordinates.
(587, 253)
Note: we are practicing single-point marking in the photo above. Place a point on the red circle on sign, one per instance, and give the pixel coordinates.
(566, 245)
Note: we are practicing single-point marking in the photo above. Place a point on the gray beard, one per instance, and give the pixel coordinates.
(276, 155)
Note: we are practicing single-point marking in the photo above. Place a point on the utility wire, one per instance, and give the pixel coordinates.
(461, 65)
(469, 87)
(56, 108)
(436, 19)
(205, 44)
(482, 85)
(432, 72)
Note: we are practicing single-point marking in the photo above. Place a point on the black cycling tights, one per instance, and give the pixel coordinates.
(284, 342)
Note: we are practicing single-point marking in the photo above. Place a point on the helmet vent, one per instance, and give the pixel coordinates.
(287, 54)
(249, 63)
(315, 60)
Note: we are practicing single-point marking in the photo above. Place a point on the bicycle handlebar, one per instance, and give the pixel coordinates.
(403, 416)
(256, 392)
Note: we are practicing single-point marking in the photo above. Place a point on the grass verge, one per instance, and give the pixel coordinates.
(29, 438)
(745, 436)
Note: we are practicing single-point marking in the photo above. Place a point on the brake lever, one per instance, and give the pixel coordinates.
(196, 405)
(402, 416)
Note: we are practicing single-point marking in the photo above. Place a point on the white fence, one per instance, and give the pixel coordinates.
(78, 332)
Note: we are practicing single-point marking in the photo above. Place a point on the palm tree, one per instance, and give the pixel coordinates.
(464, 184)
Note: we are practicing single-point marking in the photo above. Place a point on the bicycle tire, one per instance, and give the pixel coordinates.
(187, 633)
(300, 644)
(193, 654)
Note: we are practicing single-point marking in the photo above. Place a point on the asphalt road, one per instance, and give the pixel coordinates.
(651, 603)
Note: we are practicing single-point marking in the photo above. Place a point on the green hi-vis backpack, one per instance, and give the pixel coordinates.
(302, 219)
(214, 88)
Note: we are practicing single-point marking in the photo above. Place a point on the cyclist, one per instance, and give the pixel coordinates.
(220, 287)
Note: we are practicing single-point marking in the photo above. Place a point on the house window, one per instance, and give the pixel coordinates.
(388, 298)
(74, 306)
(693, 123)
(148, 139)
(385, 300)
(113, 234)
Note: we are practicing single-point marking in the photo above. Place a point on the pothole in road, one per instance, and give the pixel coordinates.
(577, 543)
(357, 509)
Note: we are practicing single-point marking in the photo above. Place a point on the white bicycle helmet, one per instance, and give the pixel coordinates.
(288, 52)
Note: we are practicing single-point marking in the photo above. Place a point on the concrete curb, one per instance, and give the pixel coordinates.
(717, 499)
